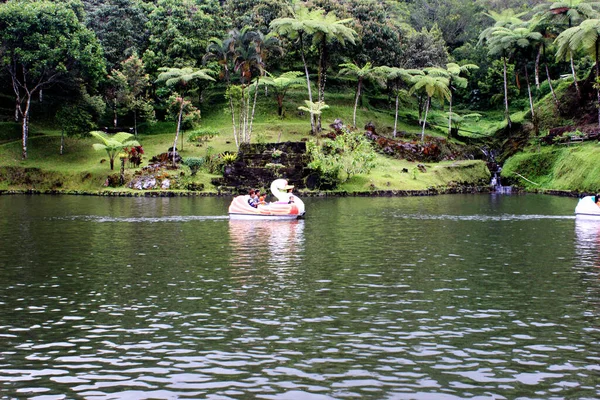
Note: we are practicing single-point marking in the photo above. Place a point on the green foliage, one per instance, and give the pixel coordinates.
(9, 131)
(44, 43)
(194, 164)
(343, 157)
(179, 31)
(119, 25)
(228, 158)
(557, 168)
(425, 49)
(202, 135)
(313, 108)
(113, 144)
(80, 117)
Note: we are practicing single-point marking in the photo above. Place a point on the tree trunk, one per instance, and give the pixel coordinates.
(178, 128)
(396, 114)
(574, 75)
(356, 102)
(548, 78)
(537, 68)
(253, 108)
(135, 123)
(450, 116)
(62, 141)
(235, 135)
(312, 120)
(115, 114)
(322, 74)
(280, 105)
(25, 126)
(529, 92)
(506, 94)
(551, 87)
(425, 119)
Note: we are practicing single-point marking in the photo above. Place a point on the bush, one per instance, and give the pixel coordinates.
(194, 164)
(202, 135)
(341, 158)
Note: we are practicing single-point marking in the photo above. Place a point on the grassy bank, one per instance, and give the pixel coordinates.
(568, 168)
(81, 168)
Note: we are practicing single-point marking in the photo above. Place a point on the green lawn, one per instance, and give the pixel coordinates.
(83, 168)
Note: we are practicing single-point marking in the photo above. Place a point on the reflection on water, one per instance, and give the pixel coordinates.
(447, 297)
(588, 240)
(275, 245)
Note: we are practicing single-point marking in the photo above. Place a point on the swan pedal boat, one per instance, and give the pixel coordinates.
(280, 210)
(587, 207)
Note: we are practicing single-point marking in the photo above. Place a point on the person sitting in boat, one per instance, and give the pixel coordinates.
(262, 199)
(598, 200)
(253, 200)
(290, 188)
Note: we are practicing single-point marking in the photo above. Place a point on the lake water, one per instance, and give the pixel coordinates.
(445, 297)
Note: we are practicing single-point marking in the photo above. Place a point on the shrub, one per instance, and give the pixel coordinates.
(341, 158)
(202, 135)
(194, 164)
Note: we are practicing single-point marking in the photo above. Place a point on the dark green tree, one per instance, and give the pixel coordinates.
(425, 49)
(180, 31)
(120, 26)
(42, 43)
(181, 81)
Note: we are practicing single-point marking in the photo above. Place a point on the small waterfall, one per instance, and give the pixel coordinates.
(495, 169)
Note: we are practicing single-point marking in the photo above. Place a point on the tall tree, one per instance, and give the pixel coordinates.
(497, 47)
(120, 26)
(43, 42)
(182, 79)
(520, 42)
(456, 79)
(180, 31)
(113, 144)
(281, 85)
(298, 27)
(432, 86)
(584, 37)
(367, 71)
(399, 77)
(329, 29)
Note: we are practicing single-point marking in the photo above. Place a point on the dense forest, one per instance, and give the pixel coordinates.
(81, 64)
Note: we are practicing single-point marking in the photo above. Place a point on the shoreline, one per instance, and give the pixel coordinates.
(306, 194)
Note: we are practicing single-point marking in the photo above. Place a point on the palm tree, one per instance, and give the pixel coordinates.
(282, 84)
(360, 73)
(569, 11)
(434, 87)
(505, 19)
(324, 29)
(113, 144)
(297, 27)
(398, 76)
(327, 30)
(221, 51)
(457, 79)
(585, 37)
(264, 45)
(517, 42)
(457, 119)
(183, 79)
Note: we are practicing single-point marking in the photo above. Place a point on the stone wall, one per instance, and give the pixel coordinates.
(257, 165)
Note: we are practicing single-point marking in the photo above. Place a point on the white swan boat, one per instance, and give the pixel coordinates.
(587, 207)
(287, 206)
